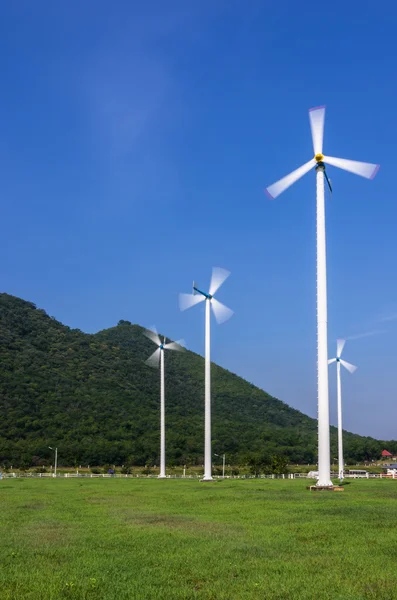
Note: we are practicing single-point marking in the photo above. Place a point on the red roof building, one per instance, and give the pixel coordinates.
(386, 454)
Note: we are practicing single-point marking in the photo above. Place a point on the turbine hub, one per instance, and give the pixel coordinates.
(161, 346)
(319, 157)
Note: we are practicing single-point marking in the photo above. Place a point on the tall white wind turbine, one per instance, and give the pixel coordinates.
(156, 359)
(222, 313)
(351, 368)
(319, 161)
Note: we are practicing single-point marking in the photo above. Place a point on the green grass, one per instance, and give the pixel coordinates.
(119, 539)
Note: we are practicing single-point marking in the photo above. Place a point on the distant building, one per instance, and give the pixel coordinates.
(386, 454)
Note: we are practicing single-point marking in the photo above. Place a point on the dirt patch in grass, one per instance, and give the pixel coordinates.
(46, 533)
(381, 590)
(34, 506)
(99, 500)
(181, 522)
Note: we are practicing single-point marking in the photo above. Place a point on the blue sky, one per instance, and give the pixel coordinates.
(135, 144)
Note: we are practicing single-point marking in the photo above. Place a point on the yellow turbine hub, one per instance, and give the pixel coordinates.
(319, 157)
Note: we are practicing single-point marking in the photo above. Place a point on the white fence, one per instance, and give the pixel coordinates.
(140, 476)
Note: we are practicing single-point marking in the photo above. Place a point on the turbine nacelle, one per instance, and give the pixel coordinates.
(196, 291)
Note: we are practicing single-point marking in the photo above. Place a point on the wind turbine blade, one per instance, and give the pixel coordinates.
(351, 368)
(219, 275)
(154, 359)
(340, 344)
(331, 360)
(316, 116)
(188, 300)
(277, 188)
(367, 170)
(153, 335)
(178, 345)
(222, 313)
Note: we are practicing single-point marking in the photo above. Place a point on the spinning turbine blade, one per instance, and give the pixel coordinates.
(222, 313)
(367, 170)
(178, 345)
(275, 190)
(351, 368)
(331, 360)
(154, 359)
(316, 116)
(340, 344)
(188, 300)
(153, 335)
(218, 277)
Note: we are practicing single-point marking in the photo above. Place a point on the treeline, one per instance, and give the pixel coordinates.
(93, 397)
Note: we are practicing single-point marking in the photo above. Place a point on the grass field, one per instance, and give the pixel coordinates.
(179, 539)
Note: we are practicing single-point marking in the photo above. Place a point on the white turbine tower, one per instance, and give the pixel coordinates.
(351, 368)
(318, 162)
(222, 313)
(156, 359)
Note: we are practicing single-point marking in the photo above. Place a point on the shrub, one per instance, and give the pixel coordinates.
(126, 470)
(40, 470)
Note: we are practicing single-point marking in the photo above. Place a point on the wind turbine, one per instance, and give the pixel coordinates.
(351, 368)
(222, 313)
(156, 359)
(369, 171)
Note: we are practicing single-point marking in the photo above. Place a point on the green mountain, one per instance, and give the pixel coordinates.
(94, 398)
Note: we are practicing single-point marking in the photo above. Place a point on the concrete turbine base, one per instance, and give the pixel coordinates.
(325, 488)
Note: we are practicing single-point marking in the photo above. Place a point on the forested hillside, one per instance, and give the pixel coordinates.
(94, 398)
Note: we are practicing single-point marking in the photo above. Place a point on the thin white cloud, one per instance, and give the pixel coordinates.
(133, 91)
(387, 318)
(365, 334)
(127, 98)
